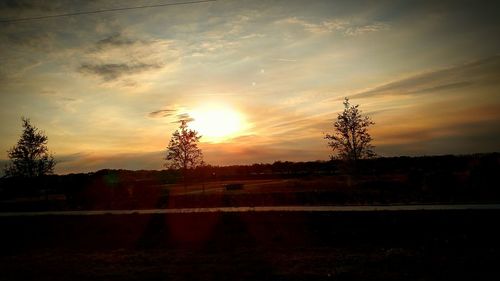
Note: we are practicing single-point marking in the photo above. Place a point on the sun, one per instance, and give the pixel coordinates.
(217, 123)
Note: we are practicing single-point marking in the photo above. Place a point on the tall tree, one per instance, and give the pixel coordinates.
(30, 156)
(350, 139)
(183, 152)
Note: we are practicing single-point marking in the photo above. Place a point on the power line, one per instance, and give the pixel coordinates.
(104, 11)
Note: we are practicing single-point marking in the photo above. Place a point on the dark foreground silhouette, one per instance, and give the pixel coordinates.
(388, 245)
(420, 245)
(400, 180)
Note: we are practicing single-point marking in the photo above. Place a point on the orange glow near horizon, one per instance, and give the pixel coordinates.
(217, 123)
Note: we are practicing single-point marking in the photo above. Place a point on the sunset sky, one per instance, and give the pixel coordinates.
(108, 88)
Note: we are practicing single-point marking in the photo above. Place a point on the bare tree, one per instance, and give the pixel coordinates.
(182, 151)
(30, 157)
(350, 140)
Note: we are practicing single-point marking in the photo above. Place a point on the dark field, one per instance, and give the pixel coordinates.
(406, 245)
(312, 191)
(399, 180)
(390, 245)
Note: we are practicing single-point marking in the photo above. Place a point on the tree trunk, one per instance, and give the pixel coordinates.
(184, 171)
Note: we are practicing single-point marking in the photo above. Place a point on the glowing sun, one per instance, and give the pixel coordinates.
(217, 123)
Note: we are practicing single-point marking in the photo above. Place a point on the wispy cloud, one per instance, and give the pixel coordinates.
(362, 29)
(425, 128)
(40, 41)
(121, 58)
(341, 26)
(162, 113)
(14, 68)
(183, 117)
(112, 71)
(284, 60)
(484, 71)
(29, 5)
(118, 40)
(473, 137)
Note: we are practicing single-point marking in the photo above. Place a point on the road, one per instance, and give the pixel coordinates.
(380, 208)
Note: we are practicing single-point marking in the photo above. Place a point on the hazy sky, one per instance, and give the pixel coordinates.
(107, 88)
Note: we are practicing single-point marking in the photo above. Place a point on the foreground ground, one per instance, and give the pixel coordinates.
(396, 245)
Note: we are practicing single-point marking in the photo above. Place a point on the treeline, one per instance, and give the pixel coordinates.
(76, 183)
(481, 166)
(392, 179)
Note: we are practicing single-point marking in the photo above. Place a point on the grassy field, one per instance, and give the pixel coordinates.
(434, 245)
(318, 190)
(396, 180)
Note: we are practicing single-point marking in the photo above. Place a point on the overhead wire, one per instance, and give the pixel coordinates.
(103, 11)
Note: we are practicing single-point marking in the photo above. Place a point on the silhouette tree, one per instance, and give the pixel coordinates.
(350, 140)
(182, 151)
(30, 157)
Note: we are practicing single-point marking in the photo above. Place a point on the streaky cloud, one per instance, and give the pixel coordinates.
(284, 60)
(121, 58)
(459, 76)
(116, 39)
(183, 117)
(342, 26)
(39, 40)
(474, 137)
(20, 5)
(162, 113)
(113, 71)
